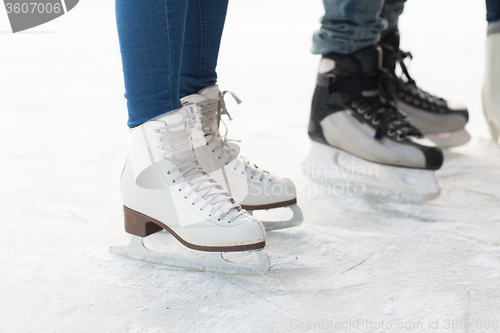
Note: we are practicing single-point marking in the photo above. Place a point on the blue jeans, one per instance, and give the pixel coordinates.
(350, 25)
(169, 50)
(493, 10)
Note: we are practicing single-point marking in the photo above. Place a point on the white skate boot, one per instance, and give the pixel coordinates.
(361, 139)
(437, 119)
(491, 88)
(252, 187)
(164, 187)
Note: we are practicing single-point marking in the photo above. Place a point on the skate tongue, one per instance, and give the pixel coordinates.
(203, 95)
(170, 118)
(181, 117)
(211, 92)
(181, 120)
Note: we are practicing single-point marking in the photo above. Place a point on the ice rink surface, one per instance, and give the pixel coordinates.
(357, 264)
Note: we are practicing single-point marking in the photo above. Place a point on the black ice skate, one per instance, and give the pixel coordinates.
(361, 138)
(434, 116)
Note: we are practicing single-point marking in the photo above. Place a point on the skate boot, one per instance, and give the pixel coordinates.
(251, 186)
(491, 88)
(164, 187)
(435, 117)
(360, 139)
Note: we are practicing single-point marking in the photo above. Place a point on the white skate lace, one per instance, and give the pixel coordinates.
(179, 142)
(211, 110)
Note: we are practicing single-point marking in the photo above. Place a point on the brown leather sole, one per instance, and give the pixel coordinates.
(142, 225)
(270, 206)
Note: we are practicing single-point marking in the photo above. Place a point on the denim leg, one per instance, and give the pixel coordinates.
(205, 22)
(348, 26)
(493, 10)
(391, 12)
(151, 33)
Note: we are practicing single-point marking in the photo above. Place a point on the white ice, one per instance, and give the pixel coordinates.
(357, 260)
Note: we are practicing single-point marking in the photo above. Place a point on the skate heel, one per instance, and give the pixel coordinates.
(139, 224)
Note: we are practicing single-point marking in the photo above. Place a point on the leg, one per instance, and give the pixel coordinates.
(348, 26)
(493, 10)
(259, 190)
(205, 22)
(491, 86)
(162, 183)
(355, 124)
(391, 12)
(151, 34)
(439, 120)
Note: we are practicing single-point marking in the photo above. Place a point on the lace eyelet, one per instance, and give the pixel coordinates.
(218, 219)
(399, 137)
(375, 122)
(367, 116)
(209, 215)
(185, 197)
(192, 203)
(361, 111)
(218, 158)
(213, 151)
(168, 172)
(354, 105)
(180, 190)
(390, 133)
(173, 181)
(201, 209)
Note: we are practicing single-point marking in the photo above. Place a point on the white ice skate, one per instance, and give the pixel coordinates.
(491, 88)
(360, 139)
(252, 187)
(164, 187)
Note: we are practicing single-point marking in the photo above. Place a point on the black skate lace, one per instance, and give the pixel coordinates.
(383, 112)
(408, 84)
